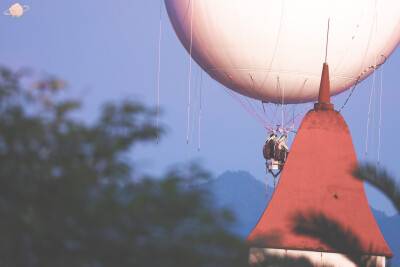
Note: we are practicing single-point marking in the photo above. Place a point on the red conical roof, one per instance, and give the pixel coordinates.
(317, 179)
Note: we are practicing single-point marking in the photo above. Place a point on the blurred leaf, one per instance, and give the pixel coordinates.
(379, 178)
(331, 233)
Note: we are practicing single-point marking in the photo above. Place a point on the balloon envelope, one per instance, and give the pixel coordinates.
(273, 50)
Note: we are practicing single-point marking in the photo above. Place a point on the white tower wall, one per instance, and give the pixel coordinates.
(257, 255)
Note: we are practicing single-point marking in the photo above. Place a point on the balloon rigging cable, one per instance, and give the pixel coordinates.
(373, 102)
(159, 70)
(358, 80)
(283, 101)
(229, 92)
(276, 43)
(268, 123)
(262, 103)
(247, 98)
(194, 108)
(275, 117)
(380, 116)
(327, 42)
(373, 94)
(372, 66)
(190, 68)
(201, 85)
(369, 112)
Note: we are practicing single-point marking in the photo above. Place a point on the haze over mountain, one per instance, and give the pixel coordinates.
(244, 195)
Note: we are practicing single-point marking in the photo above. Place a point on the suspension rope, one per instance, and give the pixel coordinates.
(269, 123)
(296, 122)
(229, 92)
(266, 120)
(294, 109)
(275, 117)
(358, 80)
(201, 86)
(373, 117)
(380, 116)
(262, 103)
(298, 116)
(327, 42)
(250, 105)
(369, 112)
(374, 85)
(269, 129)
(194, 107)
(286, 122)
(263, 109)
(190, 69)
(366, 51)
(278, 87)
(276, 44)
(278, 72)
(283, 102)
(159, 71)
(302, 88)
(246, 97)
(291, 110)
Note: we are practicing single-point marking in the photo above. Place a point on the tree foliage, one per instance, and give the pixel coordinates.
(380, 179)
(69, 195)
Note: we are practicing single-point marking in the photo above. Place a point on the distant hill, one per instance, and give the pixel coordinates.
(390, 229)
(245, 196)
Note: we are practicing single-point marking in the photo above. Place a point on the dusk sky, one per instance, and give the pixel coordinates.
(108, 50)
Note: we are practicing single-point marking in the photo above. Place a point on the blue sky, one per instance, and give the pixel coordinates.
(108, 50)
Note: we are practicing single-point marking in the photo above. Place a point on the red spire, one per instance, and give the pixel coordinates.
(324, 98)
(317, 178)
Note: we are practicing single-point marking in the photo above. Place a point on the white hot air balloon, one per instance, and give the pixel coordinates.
(273, 50)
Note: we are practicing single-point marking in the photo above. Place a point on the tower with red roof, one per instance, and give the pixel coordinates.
(319, 210)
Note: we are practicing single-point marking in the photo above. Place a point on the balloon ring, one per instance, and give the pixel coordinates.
(25, 8)
(7, 12)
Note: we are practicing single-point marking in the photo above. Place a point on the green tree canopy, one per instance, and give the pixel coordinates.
(69, 195)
